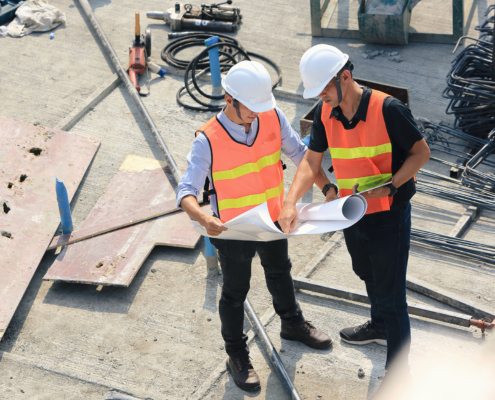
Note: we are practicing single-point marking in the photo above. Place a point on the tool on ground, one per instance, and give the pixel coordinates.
(214, 59)
(156, 69)
(63, 206)
(270, 350)
(175, 174)
(139, 52)
(231, 52)
(221, 17)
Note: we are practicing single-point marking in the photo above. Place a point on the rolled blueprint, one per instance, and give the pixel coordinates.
(350, 208)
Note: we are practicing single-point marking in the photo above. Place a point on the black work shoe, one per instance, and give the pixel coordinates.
(243, 373)
(306, 333)
(363, 334)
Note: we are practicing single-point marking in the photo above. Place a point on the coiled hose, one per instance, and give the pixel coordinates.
(230, 51)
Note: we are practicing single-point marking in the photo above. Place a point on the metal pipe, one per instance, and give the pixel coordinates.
(270, 350)
(482, 324)
(361, 297)
(174, 169)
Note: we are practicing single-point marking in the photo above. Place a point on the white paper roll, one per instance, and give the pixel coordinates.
(350, 208)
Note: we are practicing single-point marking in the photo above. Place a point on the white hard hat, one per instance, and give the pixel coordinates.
(318, 66)
(249, 83)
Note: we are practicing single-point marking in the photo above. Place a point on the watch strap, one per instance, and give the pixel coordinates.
(328, 186)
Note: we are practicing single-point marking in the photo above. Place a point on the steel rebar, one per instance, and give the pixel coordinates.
(270, 350)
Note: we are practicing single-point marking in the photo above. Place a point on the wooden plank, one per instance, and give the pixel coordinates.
(464, 222)
(90, 102)
(114, 258)
(30, 158)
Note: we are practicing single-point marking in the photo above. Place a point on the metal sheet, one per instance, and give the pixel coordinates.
(30, 158)
(115, 257)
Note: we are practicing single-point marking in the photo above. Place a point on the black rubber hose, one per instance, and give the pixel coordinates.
(230, 52)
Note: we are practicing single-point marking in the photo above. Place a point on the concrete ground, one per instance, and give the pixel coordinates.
(158, 339)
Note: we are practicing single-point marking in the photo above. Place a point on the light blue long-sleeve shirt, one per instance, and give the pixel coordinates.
(199, 158)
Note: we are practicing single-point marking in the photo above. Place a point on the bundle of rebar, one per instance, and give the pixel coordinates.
(445, 139)
(478, 251)
(474, 178)
(470, 85)
(478, 198)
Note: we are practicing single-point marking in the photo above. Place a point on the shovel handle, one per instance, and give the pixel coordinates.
(138, 28)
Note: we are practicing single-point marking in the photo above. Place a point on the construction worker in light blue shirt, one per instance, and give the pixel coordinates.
(235, 130)
(199, 158)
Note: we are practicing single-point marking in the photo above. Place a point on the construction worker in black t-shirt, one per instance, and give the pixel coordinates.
(373, 141)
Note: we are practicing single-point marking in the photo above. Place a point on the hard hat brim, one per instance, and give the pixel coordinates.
(262, 107)
(308, 94)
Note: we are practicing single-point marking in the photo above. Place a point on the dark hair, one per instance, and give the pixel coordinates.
(348, 66)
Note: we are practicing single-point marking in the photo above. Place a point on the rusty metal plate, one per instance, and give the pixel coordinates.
(115, 257)
(30, 158)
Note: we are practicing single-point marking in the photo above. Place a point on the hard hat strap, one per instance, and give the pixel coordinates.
(339, 89)
(236, 106)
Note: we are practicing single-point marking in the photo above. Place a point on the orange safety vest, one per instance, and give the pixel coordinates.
(246, 176)
(361, 155)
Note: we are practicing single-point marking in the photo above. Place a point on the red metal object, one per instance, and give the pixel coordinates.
(30, 158)
(137, 56)
(482, 324)
(114, 258)
(137, 64)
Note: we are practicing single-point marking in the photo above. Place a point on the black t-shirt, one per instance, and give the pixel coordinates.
(401, 127)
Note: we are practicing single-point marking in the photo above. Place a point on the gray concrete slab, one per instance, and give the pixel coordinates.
(71, 341)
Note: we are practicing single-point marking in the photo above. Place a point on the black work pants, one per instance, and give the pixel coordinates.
(379, 248)
(236, 257)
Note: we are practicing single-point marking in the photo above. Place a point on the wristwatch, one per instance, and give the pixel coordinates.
(393, 189)
(327, 187)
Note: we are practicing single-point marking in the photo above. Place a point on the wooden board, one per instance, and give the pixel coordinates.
(115, 257)
(30, 158)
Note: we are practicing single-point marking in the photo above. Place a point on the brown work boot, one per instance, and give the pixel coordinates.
(243, 373)
(306, 333)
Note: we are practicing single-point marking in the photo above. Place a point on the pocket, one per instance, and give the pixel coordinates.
(388, 219)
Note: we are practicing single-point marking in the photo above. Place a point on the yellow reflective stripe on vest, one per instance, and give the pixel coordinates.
(365, 183)
(247, 168)
(360, 152)
(252, 199)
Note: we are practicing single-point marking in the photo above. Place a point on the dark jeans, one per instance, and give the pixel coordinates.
(379, 247)
(235, 259)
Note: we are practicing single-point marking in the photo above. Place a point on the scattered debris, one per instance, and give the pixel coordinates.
(153, 270)
(208, 319)
(361, 373)
(155, 339)
(392, 56)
